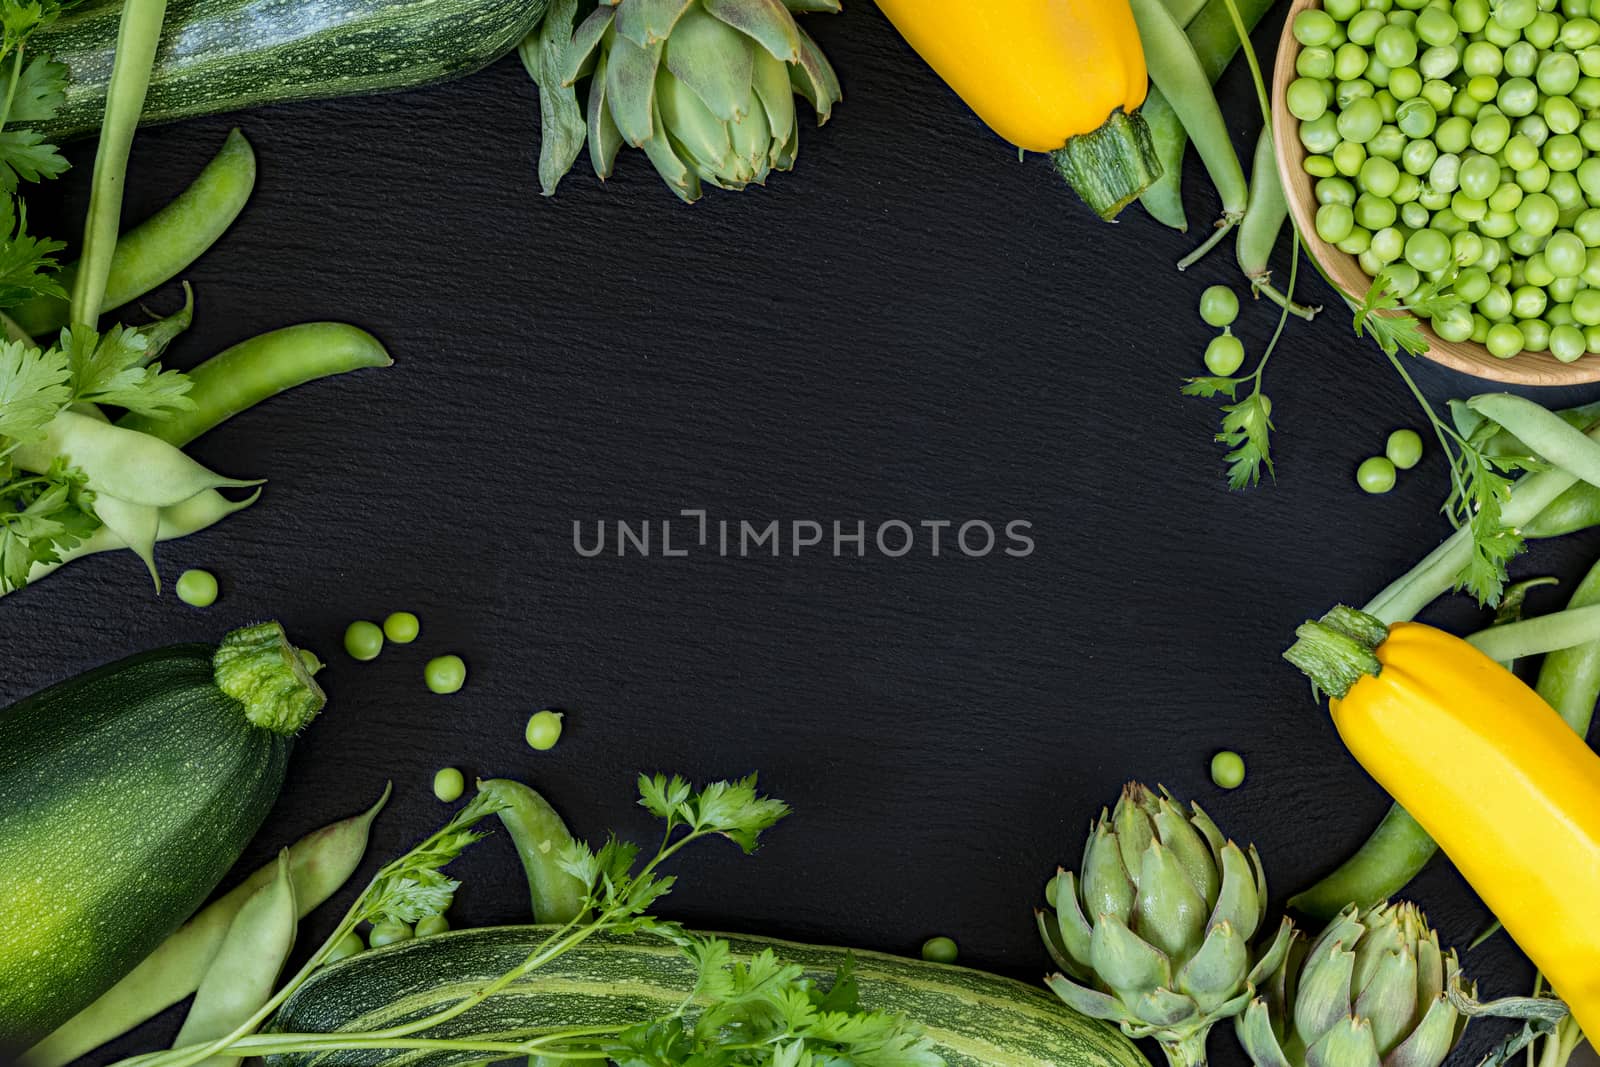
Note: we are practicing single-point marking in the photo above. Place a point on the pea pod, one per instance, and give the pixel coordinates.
(262, 367)
(540, 837)
(1547, 435)
(131, 466)
(199, 512)
(244, 971)
(319, 864)
(156, 250)
(135, 525)
(1263, 222)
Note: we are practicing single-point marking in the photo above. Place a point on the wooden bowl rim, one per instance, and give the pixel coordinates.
(1528, 368)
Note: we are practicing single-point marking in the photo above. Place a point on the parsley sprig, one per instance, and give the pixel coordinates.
(756, 1012)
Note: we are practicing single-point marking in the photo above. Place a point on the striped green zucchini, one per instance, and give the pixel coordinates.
(224, 55)
(976, 1019)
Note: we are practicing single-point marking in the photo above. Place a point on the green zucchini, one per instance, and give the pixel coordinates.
(125, 795)
(225, 55)
(975, 1019)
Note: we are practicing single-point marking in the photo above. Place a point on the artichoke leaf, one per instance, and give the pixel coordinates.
(672, 169)
(1107, 889)
(1132, 826)
(770, 80)
(645, 22)
(752, 144)
(1347, 1043)
(1237, 901)
(1171, 916)
(631, 88)
(1257, 1033)
(585, 44)
(1124, 963)
(561, 125)
(1163, 1008)
(715, 61)
(698, 135)
(824, 7)
(1192, 852)
(605, 140)
(814, 78)
(1389, 998)
(1074, 927)
(1431, 1042)
(1218, 971)
(1094, 1004)
(1323, 1000)
(767, 22)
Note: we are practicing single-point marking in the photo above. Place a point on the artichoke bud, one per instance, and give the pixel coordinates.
(1199, 862)
(1124, 961)
(1237, 901)
(1347, 1043)
(1133, 825)
(1172, 917)
(1218, 970)
(1107, 889)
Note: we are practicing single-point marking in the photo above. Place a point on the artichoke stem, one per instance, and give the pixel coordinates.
(1111, 166)
(1339, 650)
(1189, 1051)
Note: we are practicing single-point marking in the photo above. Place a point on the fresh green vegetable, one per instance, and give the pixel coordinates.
(1176, 70)
(1376, 475)
(348, 945)
(389, 932)
(432, 926)
(157, 249)
(319, 864)
(259, 369)
(543, 730)
(1224, 355)
(1227, 770)
(1404, 449)
(245, 970)
(363, 640)
(449, 784)
(142, 781)
(1219, 306)
(214, 58)
(445, 674)
(1162, 913)
(1263, 223)
(940, 950)
(705, 87)
(1374, 988)
(197, 588)
(542, 840)
(401, 627)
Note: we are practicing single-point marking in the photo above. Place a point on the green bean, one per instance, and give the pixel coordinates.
(1263, 222)
(241, 977)
(1216, 43)
(1176, 70)
(262, 367)
(1532, 637)
(138, 34)
(166, 243)
(541, 837)
(1546, 434)
(319, 864)
(1576, 509)
(136, 467)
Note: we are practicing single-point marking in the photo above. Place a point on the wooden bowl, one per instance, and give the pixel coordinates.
(1529, 368)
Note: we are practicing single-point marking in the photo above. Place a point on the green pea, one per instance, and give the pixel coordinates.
(1535, 271)
(1515, 97)
(1496, 304)
(1348, 158)
(1470, 15)
(1395, 46)
(1543, 31)
(1479, 176)
(1414, 216)
(1388, 245)
(1587, 227)
(543, 730)
(1306, 99)
(1483, 88)
(449, 784)
(1379, 177)
(1472, 284)
(1446, 221)
(1454, 324)
(1219, 306)
(1224, 355)
(1499, 34)
(1403, 280)
(432, 925)
(1467, 208)
(1375, 212)
(1538, 214)
(1482, 59)
(1587, 94)
(1560, 314)
(1335, 190)
(1227, 770)
(1504, 340)
(1427, 250)
(1566, 254)
(1558, 74)
(1445, 174)
(1361, 120)
(1534, 179)
(1529, 302)
(1526, 244)
(1498, 224)
(1409, 189)
(1521, 152)
(1389, 143)
(1490, 132)
(445, 674)
(1580, 33)
(1314, 27)
(1405, 83)
(1535, 335)
(1561, 291)
(1589, 134)
(1320, 166)
(197, 588)
(1363, 29)
(1453, 136)
(1416, 118)
(1439, 93)
(348, 945)
(1563, 153)
(1436, 63)
(389, 932)
(402, 627)
(1375, 475)
(1417, 158)
(1567, 343)
(1480, 329)
(1349, 62)
(1359, 241)
(1586, 307)
(1506, 197)
(1522, 60)
(1534, 128)
(1436, 27)
(363, 640)
(1320, 136)
(1314, 63)
(940, 950)
(1589, 61)
(1466, 248)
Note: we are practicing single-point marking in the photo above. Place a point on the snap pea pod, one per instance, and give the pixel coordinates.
(1546, 434)
(1176, 70)
(1569, 681)
(1184, 10)
(199, 512)
(1576, 509)
(157, 249)
(264, 366)
(540, 837)
(135, 525)
(246, 967)
(136, 467)
(1216, 43)
(319, 864)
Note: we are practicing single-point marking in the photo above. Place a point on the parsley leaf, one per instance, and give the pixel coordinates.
(1393, 324)
(1209, 387)
(41, 91)
(114, 368)
(27, 264)
(34, 385)
(40, 518)
(24, 157)
(1246, 430)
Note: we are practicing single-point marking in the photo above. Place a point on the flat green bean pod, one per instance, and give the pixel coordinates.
(166, 243)
(319, 864)
(123, 463)
(262, 367)
(244, 971)
(135, 525)
(540, 837)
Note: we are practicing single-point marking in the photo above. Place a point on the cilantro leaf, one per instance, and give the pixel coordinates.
(1246, 430)
(33, 387)
(114, 368)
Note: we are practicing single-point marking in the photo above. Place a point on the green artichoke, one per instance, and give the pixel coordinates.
(1154, 934)
(1372, 991)
(705, 87)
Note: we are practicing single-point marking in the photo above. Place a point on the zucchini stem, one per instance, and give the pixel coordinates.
(1109, 167)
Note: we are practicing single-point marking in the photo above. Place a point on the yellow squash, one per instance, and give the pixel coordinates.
(1064, 77)
(1500, 781)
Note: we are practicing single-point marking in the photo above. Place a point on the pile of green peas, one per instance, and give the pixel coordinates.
(1462, 136)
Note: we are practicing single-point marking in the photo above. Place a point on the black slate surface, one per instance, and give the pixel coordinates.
(911, 326)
